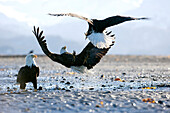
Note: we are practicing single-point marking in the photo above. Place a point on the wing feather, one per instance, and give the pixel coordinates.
(111, 21)
(95, 56)
(66, 59)
(73, 15)
(42, 42)
(92, 55)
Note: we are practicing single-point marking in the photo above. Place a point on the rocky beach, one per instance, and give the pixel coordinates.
(119, 83)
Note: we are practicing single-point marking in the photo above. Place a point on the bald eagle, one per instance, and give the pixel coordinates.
(96, 33)
(88, 58)
(28, 73)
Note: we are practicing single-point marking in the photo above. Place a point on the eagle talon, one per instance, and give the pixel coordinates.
(35, 90)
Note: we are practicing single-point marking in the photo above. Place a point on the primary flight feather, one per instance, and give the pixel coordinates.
(96, 33)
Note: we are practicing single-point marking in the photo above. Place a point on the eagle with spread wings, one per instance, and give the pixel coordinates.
(100, 42)
(81, 62)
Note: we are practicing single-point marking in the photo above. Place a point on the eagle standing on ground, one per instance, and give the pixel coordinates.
(95, 33)
(28, 73)
(88, 58)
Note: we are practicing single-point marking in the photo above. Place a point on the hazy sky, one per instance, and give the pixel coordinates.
(17, 17)
(35, 11)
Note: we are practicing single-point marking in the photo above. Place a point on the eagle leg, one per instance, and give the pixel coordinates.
(35, 84)
(22, 85)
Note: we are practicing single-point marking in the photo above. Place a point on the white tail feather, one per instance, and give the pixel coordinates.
(101, 40)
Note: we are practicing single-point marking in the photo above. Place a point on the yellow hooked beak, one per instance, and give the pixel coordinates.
(64, 47)
(34, 56)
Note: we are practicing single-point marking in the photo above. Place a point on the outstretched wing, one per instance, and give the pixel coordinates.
(42, 42)
(111, 21)
(65, 59)
(73, 15)
(92, 55)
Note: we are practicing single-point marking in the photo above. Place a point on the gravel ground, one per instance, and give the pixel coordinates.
(117, 84)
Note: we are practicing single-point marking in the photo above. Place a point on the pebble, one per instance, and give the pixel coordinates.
(102, 76)
(107, 92)
(160, 102)
(87, 96)
(103, 85)
(91, 88)
(131, 80)
(61, 81)
(112, 79)
(71, 87)
(123, 73)
(40, 88)
(168, 106)
(64, 79)
(67, 90)
(68, 83)
(97, 106)
(154, 79)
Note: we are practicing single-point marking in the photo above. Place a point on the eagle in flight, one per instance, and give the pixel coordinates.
(96, 32)
(100, 42)
(88, 58)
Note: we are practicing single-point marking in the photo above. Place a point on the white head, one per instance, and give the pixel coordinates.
(30, 60)
(63, 50)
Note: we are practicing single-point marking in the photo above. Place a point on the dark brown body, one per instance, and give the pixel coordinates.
(89, 56)
(28, 74)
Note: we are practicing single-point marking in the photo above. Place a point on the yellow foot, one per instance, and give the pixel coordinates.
(71, 73)
(35, 90)
(23, 90)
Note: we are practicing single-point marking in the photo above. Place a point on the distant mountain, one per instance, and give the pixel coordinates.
(149, 37)
(17, 38)
(10, 28)
(23, 44)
